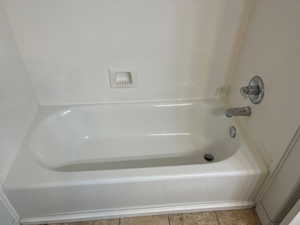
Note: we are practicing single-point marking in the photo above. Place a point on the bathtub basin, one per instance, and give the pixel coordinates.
(111, 160)
(120, 136)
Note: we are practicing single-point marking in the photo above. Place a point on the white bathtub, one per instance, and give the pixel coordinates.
(111, 160)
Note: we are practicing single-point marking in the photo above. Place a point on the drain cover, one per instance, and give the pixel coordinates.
(232, 131)
(209, 157)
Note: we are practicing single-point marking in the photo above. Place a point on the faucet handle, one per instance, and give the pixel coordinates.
(254, 91)
(244, 91)
(249, 90)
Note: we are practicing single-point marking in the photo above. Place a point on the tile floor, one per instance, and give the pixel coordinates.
(235, 217)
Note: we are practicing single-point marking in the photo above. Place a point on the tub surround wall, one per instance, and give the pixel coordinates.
(18, 107)
(272, 51)
(177, 48)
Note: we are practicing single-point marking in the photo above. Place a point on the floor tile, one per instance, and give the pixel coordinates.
(75, 223)
(146, 220)
(238, 217)
(98, 222)
(203, 218)
(106, 222)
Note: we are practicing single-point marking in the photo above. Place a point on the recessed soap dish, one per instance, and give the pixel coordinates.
(122, 78)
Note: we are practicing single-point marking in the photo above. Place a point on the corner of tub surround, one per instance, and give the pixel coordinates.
(12, 214)
(31, 121)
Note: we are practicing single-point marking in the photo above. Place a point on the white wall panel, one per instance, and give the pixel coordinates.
(178, 48)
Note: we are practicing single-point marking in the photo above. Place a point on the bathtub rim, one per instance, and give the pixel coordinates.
(46, 111)
(241, 162)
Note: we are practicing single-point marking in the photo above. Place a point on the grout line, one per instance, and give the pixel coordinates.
(217, 217)
(119, 221)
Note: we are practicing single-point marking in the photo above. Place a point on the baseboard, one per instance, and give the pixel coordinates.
(131, 212)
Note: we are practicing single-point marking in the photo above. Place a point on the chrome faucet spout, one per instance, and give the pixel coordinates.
(240, 111)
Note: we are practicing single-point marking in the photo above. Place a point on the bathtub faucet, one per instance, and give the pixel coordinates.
(241, 111)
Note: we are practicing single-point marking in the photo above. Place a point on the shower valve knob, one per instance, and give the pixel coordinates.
(249, 90)
(254, 91)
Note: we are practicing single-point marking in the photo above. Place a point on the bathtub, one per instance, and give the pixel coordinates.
(116, 160)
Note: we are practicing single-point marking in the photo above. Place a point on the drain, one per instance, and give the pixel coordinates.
(232, 132)
(209, 157)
